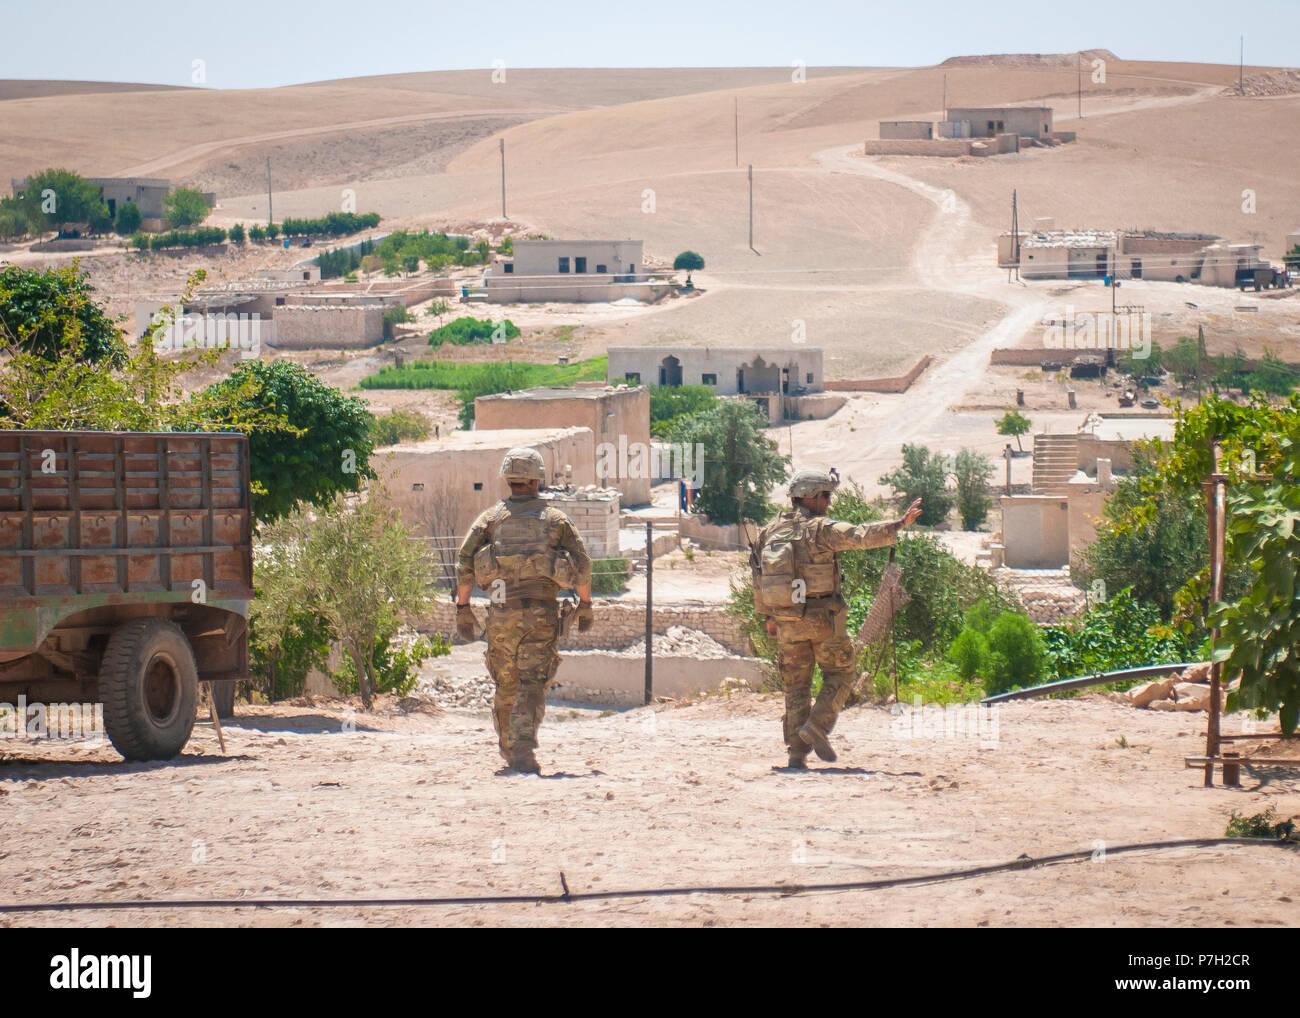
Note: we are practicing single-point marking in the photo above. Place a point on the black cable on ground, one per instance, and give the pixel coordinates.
(783, 890)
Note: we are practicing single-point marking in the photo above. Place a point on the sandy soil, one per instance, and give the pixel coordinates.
(409, 805)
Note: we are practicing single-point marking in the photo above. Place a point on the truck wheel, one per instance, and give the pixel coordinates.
(223, 696)
(149, 686)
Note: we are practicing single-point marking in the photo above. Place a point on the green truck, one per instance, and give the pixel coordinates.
(125, 577)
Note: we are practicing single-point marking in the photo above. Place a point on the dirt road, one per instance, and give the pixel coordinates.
(315, 802)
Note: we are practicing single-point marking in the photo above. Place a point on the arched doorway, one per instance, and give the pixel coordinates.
(670, 371)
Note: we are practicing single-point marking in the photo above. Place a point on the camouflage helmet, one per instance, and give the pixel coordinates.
(523, 464)
(807, 483)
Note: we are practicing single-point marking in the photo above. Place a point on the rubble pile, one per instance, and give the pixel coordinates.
(1187, 690)
(678, 641)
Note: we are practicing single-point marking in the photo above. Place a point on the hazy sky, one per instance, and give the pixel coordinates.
(256, 43)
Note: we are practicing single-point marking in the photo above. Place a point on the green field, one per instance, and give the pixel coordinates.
(485, 378)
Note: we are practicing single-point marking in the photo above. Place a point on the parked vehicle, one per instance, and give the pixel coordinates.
(125, 576)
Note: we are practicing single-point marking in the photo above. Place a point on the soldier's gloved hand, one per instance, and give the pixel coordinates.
(770, 626)
(585, 618)
(466, 624)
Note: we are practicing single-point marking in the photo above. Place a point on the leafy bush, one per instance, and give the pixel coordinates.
(969, 652)
(345, 261)
(925, 478)
(610, 575)
(972, 471)
(398, 314)
(399, 426)
(396, 665)
(466, 330)
(201, 237)
(237, 233)
(127, 220)
(257, 232)
(1119, 633)
(1017, 654)
(669, 402)
(335, 224)
(185, 207)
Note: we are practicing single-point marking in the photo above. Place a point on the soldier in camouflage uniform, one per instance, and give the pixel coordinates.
(522, 552)
(810, 621)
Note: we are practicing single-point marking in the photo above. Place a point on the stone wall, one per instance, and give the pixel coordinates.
(917, 147)
(898, 383)
(621, 623)
(319, 326)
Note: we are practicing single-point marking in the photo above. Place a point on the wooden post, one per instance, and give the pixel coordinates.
(649, 610)
(1216, 509)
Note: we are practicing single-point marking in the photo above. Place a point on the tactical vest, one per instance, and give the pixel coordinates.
(788, 569)
(519, 552)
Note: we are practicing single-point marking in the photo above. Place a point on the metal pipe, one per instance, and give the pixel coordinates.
(1084, 681)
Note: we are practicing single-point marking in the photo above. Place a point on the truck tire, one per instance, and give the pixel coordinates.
(223, 696)
(148, 683)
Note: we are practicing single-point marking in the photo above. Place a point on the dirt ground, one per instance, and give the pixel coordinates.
(323, 802)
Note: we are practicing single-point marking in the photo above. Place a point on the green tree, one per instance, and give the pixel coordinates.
(924, 477)
(50, 312)
(359, 569)
(1130, 364)
(127, 220)
(507, 246)
(285, 641)
(185, 207)
(237, 233)
(1017, 653)
(972, 472)
(257, 232)
(734, 457)
(13, 219)
(1261, 627)
(669, 402)
(688, 261)
(398, 426)
(410, 263)
(1272, 375)
(1015, 424)
(324, 450)
(56, 198)
(1184, 362)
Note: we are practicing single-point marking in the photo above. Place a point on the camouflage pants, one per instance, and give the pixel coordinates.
(819, 638)
(522, 659)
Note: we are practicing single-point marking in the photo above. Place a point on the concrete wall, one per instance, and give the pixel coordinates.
(308, 327)
(433, 483)
(896, 383)
(595, 514)
(1036, 531)
(593, 677)
(588, 289)
(612, 415)
(716, 537)
(542, 257)
(764, 368)
(1026, 121)
(1118, 451)
(1085, 508)
(896, 129)
(916, 147)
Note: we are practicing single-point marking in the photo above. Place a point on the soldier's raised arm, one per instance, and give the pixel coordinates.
(837, 536)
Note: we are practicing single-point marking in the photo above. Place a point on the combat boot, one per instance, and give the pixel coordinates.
(525, 762)
(816, 739)
(798, 761)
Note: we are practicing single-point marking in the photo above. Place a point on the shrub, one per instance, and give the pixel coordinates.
(185, 207)
(972, 471)
(610, 575)
(237, 233)
(127, 220)
(399, 426)
(1017, 654)
(924, 477)
(466, 330)
(969, 652)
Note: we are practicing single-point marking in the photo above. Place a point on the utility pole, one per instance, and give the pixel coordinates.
(1078, 64)
(1015, 236)
(270, 217)
(944, 113)
(649, 609)
(503, 178)
(1241, 68)
(737, 126)
(751, 207)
